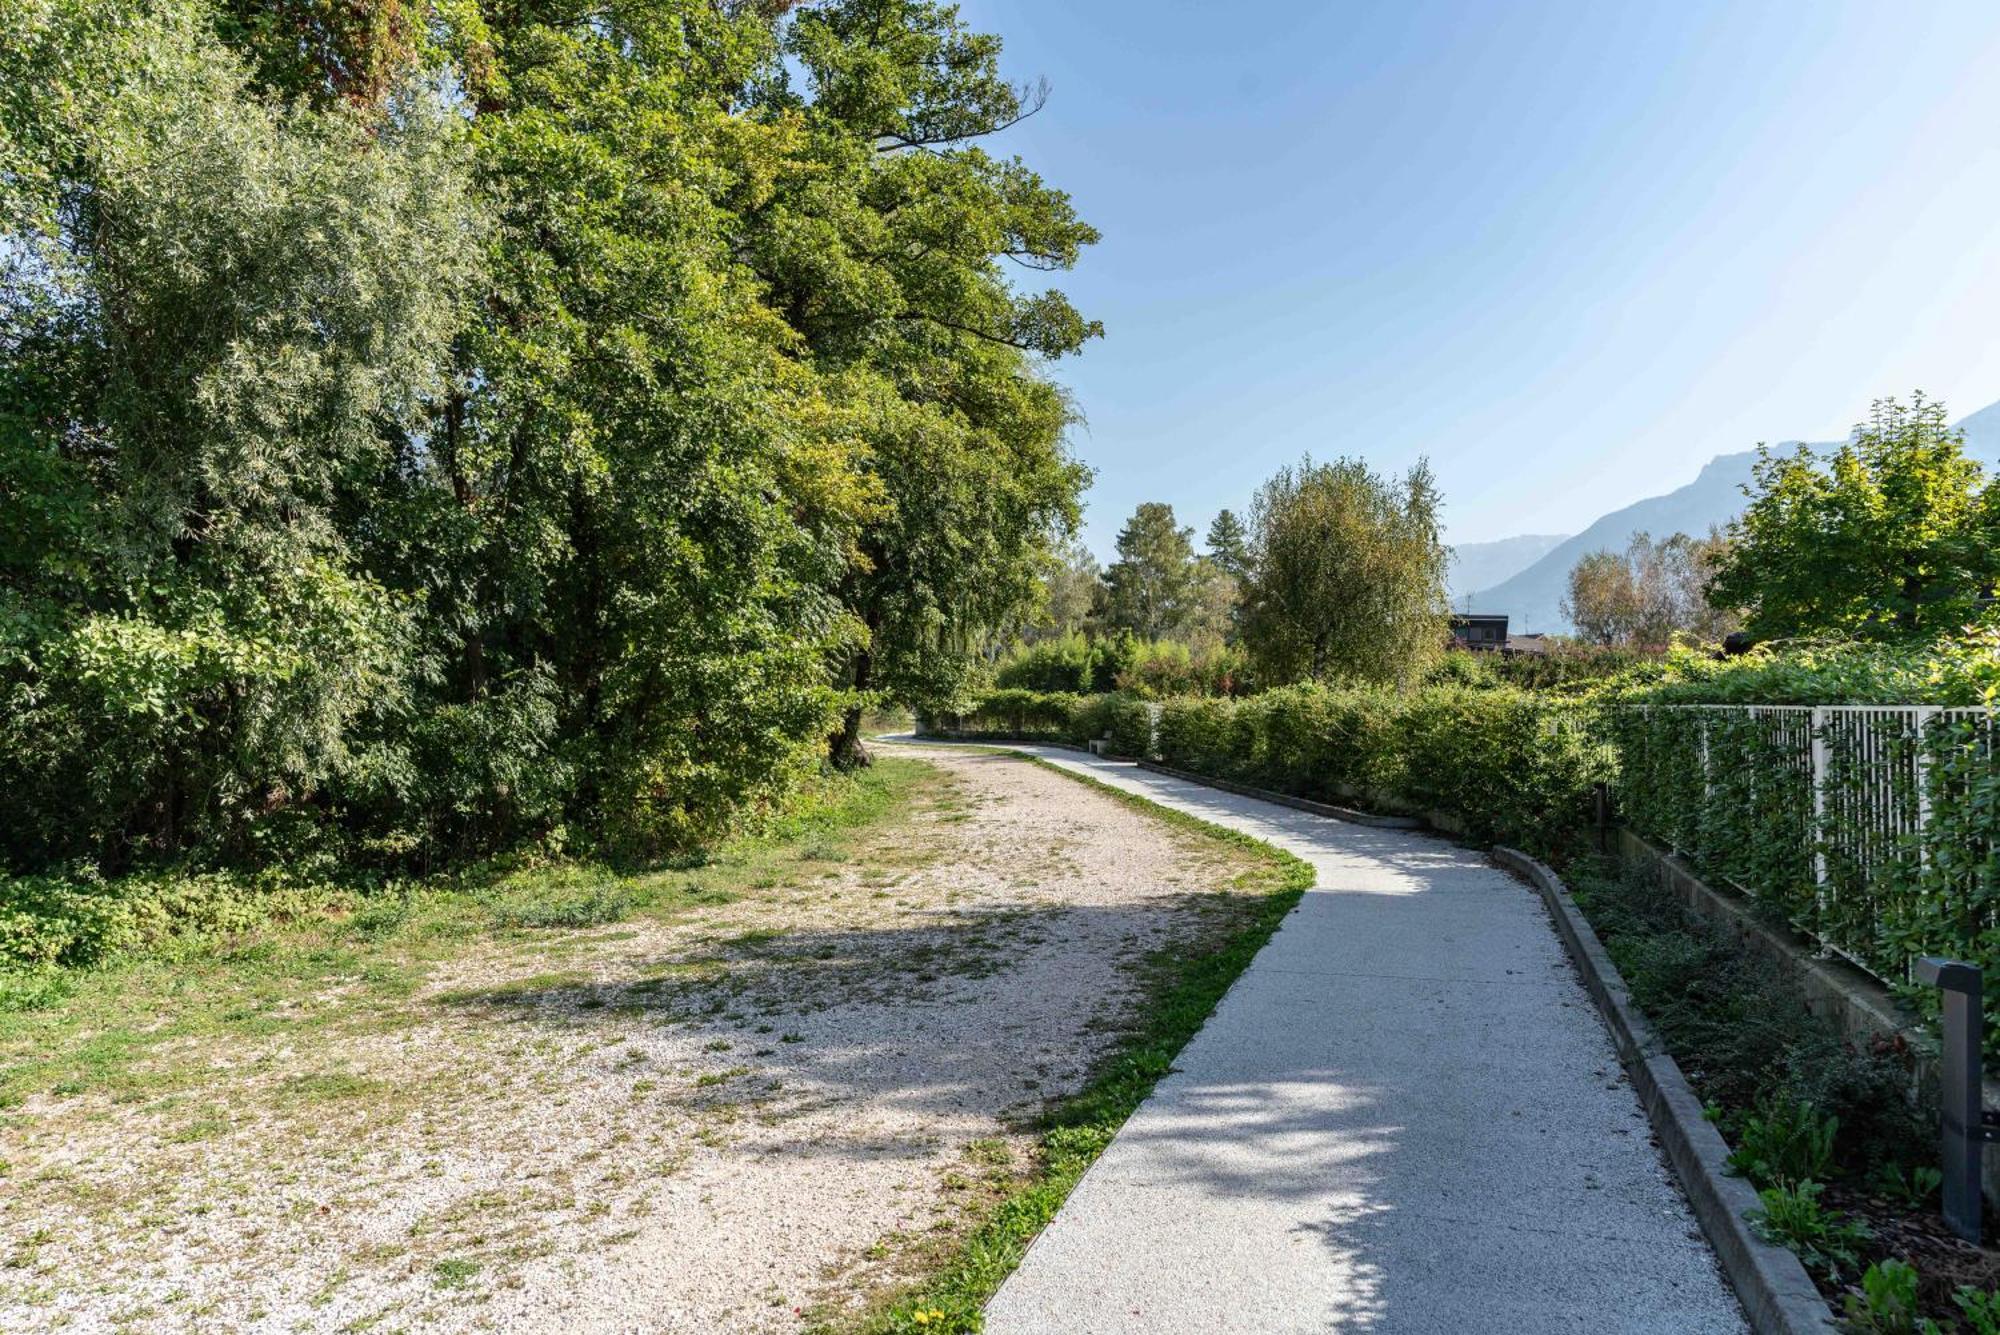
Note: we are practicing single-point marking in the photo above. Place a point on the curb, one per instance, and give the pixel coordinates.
(1286, 800)
(1776, 1293)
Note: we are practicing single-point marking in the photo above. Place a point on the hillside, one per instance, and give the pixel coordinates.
(1532, 597)
(1481, 565)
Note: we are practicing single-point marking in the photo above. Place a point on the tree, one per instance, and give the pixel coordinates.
(1603, 599)
(1346, 574)
(1073, 594)
(1154, 580)
(433, 425)
(1649, 593)
(884, 249)
(1229, 544)
(1896, 536)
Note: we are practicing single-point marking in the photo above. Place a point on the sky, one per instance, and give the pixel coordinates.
(1566, 250)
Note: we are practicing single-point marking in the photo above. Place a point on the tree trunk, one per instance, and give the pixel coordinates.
(844, 749)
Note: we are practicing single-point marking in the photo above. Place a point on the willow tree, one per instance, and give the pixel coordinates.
(1346, 575)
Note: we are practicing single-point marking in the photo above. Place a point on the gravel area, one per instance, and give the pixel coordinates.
(727, 1121)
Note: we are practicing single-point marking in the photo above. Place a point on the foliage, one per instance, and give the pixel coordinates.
(1887, 1302)
(1157, 669)
(428, 428)
(1068, 663)
(1128, 725)
(1505, 764)
(1895, 851)
(1228, 544)
(1346, 575)
(1792, 1216)
(1648, 593)
(1784, 1140)
(1750, 1044)
(1980, 1310)
(1893, 537)
(1154, 582)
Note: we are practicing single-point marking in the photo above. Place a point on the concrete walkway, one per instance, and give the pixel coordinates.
(1404, 1117)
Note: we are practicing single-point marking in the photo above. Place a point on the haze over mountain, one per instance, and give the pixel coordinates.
(1481, 565)
(1532, 597)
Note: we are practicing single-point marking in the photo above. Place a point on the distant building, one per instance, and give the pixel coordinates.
(1475, 630)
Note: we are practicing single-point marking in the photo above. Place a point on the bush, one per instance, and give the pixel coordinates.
(51, 920)
(1199, 735)
(1129, 725)
(1020, 713)
(1065, 665)
(1513, 767)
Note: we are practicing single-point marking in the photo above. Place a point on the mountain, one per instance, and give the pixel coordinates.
(1480, 565)
(1532, 597)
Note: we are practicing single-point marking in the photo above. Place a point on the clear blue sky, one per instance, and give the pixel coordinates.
(1568, 250)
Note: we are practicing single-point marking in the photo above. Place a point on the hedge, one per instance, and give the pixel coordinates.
(1044, 715)
(1507, 765)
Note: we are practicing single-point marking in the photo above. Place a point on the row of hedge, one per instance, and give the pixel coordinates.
(1059, 716)
(1506, 765)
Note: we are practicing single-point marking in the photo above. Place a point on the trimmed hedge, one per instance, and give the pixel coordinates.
(1057, 715)
(1507, 765)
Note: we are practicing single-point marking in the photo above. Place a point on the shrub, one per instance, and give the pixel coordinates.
(1512, 767)
(1199, 735)
(52, 920)
(1129, 725)
(1066, 664)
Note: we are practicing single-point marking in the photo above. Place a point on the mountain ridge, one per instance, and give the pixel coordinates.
(1532, 596)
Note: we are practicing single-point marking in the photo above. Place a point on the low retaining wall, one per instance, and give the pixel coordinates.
(1776, 1292)
(1864, 1011)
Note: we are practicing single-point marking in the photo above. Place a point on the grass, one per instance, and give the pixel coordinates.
(1179, 987)
(141, 1028)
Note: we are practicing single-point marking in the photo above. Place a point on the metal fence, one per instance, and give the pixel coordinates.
(1875, 828)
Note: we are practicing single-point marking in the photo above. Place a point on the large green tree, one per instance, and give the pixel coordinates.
(1896, 536)
(449, 421)
(1346, 574)
(1155, 581)
(211, 304)
(886, 249)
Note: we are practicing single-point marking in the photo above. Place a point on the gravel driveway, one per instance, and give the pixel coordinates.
(735, 1120)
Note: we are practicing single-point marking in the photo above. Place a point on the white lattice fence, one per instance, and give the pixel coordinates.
(1874, 827)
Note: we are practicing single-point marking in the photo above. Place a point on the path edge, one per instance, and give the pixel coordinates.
(1776, 1292)
(1347, 814)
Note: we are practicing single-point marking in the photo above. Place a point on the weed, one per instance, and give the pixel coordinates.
(1784, 1141)
(1887, 1302)
(1793, 1217)
(1913, 1188)
(453, 1272)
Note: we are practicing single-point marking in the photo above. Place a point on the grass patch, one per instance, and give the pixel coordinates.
(146, 1023)
(1179, 988)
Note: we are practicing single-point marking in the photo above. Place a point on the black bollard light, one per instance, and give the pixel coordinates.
(1966, 1129)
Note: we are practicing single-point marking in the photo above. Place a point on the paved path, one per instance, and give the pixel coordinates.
(1404, 1117)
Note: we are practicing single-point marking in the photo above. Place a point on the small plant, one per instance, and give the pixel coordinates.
(453, 1272)
(1887, 1303)
(1981, 1310)
(1785, 1141)
(1793, 1217)
(1911, 1188)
